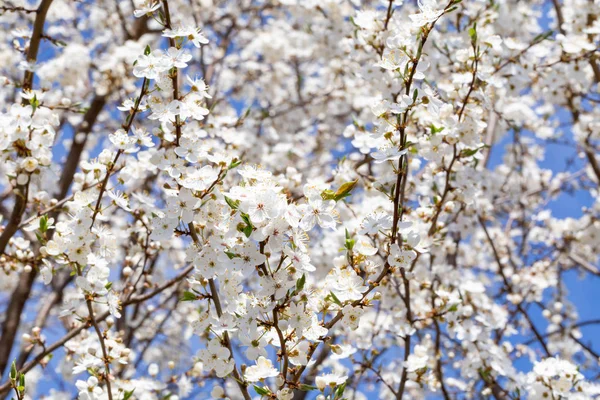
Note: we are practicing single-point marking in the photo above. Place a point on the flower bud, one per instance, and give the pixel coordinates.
(153, 370)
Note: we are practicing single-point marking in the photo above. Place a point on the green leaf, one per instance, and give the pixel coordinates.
(246, 218)
(485, 374)
(328, 194)
(44, 223)
(247, 230)
(335, 299)
(189, 296)
(262, 391)
(342, 192)
(473, 33)
(469, 152)
(147, 50)
(34, 102)
(340, 391)
(435, 130)
(128, 394)
(108, 285)
(349, 245)
(234, 204)
(300, 283)
(345, 189)
(234, 164)
(230, 254)
(13, 371)
(543, 36)
(306, 388)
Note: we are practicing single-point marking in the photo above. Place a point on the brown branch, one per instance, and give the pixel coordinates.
(126, 127)
(94, 322)
(243, 385)
(21, 293)
(89, 119)
(75, 331)
(407, 338)
(447, 188)
(174, 73)
(509, 288)
(17, 9)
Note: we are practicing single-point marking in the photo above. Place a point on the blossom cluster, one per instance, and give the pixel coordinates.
(297, 199)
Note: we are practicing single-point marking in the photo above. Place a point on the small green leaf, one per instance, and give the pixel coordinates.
(234, 204)
(473, 33)
(13, 371)
(234, 164)
(328, 194)
(306, 388)
(340, 391)
(349, 245)
(247, 230)
(128, 394)
(300, 283)
(345, 189)
(189, 296)
(44, 223)
(542, 36)
(147, 50)
(230, 254)
(335, 299)
(435, 130)
(262, 391)
(34, 102)
(469, 152)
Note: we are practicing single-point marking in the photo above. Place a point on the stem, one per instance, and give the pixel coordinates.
(217, 302)
(175, 74)
(127, 127)
(94, 323)
(21, 294)
(75, 331)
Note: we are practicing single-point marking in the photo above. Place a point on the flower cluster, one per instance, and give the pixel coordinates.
(297, 199)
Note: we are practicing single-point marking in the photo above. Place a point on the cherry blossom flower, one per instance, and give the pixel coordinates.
(147, 7)
(400, 258)
(150, 66)
(319, 212)
(89, 390)
(262, 370)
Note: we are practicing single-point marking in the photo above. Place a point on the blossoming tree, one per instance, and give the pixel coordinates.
(297, 199)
